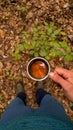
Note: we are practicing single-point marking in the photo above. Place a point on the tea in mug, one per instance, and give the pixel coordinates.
(38, 69)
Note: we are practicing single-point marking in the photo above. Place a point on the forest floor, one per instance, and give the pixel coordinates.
(16, 16)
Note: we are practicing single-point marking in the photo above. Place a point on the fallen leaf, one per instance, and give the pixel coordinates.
(42, 4)
(2, 33)
(8, 65)
(1, 106)
(1, 66)
(5, 94)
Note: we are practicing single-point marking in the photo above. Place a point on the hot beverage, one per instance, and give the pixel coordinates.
(38, 69)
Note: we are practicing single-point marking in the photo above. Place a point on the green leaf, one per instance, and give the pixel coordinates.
(39, 28)
(63, 33)
(31, 52)
(53, 36)
(58, 53)
(68, 58)
(56, 32)
(49, 31)
(25, 34)
(52, 26)
(16, 45)
(46, 24)
(57, 45)
(68, 49)
(34, 30)
(21, 48)
(43, 52)
(11, 52)
(28, 46)
(22, 9)
(10, 77)
(36, 54)
(17, 57)
(33, 43)
(23, 40)
(71, 54)
(36, 49)
(16, 52)
(63, 44)
(47, 57)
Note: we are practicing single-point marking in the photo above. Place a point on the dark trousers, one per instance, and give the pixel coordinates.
(47, 104)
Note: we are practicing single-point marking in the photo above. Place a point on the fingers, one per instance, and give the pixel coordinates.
(63, 72)
(58, 79)
(65, 79)
(66, 74)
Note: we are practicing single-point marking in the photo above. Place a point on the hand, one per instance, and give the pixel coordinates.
(65, 79)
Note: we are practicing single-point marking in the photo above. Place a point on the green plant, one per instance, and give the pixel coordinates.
(18, 49)
(8, 74)
(44, 41)
(23, 9)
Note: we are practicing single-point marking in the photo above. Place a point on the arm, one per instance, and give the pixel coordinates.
(65, 79)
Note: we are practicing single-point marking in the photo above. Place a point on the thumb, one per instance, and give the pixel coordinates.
(58, 79)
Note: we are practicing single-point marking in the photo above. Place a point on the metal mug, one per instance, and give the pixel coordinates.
(34, 60)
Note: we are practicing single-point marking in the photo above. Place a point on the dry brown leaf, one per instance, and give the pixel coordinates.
(1, 106)
(8, 65)
(1, 65)
(5, 94)
(42, 4)
(2, 33)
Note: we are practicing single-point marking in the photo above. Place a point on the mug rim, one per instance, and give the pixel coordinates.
(45, 75)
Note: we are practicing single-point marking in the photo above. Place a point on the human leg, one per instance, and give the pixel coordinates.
(48, 104)
(16, 108)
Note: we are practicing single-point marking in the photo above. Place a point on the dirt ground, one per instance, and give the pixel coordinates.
(14, 19)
